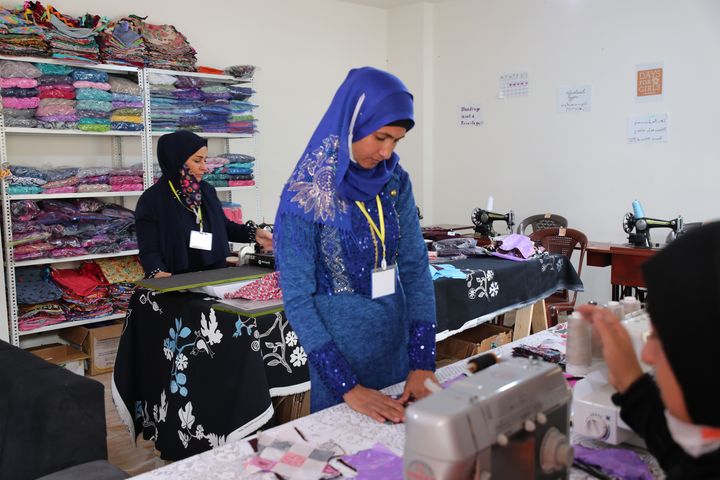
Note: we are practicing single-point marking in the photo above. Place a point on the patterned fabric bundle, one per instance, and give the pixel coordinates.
(121, 43)
(20, 36)
(20, 95)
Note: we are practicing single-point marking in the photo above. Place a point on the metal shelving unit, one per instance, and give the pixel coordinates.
(10, 329)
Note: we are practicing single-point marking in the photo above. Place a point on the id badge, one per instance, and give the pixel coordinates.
(201, 240)
(383, 282)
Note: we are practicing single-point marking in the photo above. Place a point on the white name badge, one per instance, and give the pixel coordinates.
(201, 240)
(383, 282)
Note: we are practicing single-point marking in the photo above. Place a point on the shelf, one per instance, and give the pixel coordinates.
(45, 261)
(60, 326)
(207, 76)
(70, 63)
(234, 189)
(48, 196)
(207, 134)
(50, 131)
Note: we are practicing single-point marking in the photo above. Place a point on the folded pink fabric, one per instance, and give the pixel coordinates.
(125, 179)
(18, 82)
(241, 183)
(68, 189)
(95, 85)
(266, 288)
(127, 187)
(30, 102)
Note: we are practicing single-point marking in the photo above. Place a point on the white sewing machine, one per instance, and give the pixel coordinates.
(593, 412)
(507, 421)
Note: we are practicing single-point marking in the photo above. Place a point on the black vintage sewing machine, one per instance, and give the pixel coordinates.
(637, 221)
(483, 221)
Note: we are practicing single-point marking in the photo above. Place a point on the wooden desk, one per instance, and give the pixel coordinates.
(625, 264)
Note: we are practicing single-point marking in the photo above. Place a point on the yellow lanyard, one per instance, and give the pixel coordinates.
(197, 212)
(380, 232)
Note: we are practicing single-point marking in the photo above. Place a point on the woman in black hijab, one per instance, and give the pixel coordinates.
(180, 224)
(677, 411)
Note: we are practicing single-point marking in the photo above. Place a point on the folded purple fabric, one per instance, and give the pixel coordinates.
(617, 462)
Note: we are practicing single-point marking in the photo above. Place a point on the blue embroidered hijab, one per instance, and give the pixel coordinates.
(326, 178)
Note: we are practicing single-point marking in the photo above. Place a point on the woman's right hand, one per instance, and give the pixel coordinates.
(162, 274)
(374, 404)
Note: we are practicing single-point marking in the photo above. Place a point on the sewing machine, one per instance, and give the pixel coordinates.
(483, 221)
(509, 420)
(636, 220)
(594, 414)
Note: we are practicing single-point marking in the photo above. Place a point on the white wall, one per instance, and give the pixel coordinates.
(303, 50)
(533, 159)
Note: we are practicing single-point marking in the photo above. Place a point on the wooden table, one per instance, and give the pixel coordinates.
(625, 262)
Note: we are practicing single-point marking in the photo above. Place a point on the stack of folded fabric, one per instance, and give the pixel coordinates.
(189, 98)
(20, 99)
(214, 175)
(121, 43)
(94, 101)
(121, 273)
(61, 180)
(74, 38)
(26, 180)
(127, 105)
(59, 229)
(94, 179)
(163, 103)
(20, 36)
(233, 211)
(242, 119)
(127, 179)
(216, 109)
(243, 72)
(57, 97)
(240, 169)
(38, 298)
(167, 48)
(85, 293)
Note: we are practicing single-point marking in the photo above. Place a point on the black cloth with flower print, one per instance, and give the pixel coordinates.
(191, 378)
(190, 189)
(496, 284)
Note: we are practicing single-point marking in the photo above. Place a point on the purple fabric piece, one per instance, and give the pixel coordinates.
(508, 256)
(376, 463)
(522, 243)
(617, 462)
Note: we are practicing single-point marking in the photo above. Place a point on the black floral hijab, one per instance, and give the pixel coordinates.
(173, 151)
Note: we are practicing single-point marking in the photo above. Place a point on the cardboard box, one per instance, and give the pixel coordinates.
(99, 342)
(290, 407)
(474, 340)
(62, 355)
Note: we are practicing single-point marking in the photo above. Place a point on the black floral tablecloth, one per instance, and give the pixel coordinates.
(190, 377)
(495, 285)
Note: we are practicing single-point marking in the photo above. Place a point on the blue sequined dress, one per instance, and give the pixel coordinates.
(325, 273)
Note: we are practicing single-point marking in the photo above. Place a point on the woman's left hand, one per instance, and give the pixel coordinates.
(264, 239)
(415, 385)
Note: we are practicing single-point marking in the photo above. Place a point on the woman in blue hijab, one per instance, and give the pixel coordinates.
(353, 264)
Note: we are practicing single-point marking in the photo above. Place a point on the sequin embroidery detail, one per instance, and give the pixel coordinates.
(333, 260)
(333, 369)
(314, 183)
(421, 348)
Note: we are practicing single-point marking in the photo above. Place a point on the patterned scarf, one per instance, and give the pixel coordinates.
(190, 189)
(327, 180)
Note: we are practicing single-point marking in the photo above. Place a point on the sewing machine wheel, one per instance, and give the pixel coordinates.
(475, 216)
(628, 222)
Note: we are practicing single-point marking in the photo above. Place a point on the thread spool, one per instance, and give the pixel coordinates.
(616, 309)
(578, 356)
(638, 209)
(490, 204)
(630, 305)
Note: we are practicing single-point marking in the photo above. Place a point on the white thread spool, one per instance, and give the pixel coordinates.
(578, 355)
(630, 305)
(490, 204)
(616, 309)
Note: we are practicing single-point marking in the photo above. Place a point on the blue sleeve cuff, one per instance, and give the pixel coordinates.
(333, 369)
(422, 346)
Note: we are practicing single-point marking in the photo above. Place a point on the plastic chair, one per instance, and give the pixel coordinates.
(564, 244)
(542, 221)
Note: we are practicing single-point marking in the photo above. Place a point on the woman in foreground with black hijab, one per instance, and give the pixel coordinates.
(678, 411)
(180, 224)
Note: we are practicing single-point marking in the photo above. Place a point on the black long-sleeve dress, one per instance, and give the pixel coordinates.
(163, 228)
(643, 410)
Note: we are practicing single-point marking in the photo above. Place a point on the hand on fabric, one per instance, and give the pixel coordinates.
(264, 239)
(374, 404)
(415, 385)
(162, 274)
(623, 366)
